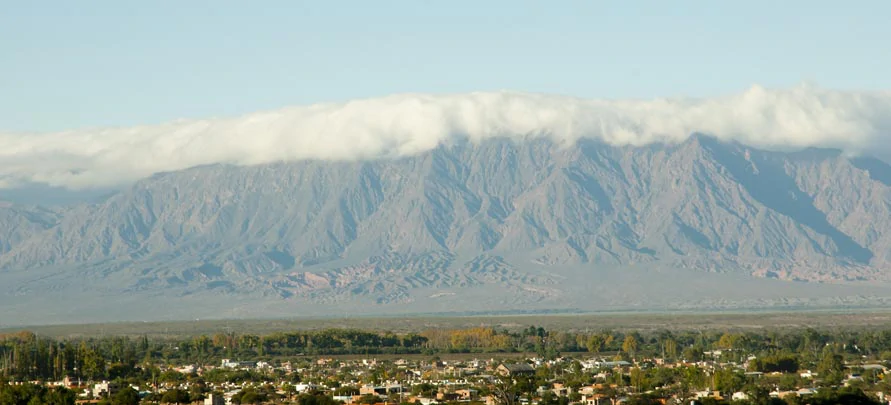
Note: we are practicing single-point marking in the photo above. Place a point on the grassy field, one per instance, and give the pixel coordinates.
(616, 321)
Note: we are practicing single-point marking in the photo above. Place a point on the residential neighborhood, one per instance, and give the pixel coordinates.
(637, 372)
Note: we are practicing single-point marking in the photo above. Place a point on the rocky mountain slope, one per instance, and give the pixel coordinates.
(18, 223)
(524, 222)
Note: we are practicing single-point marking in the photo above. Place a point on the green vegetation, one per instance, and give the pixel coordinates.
(33, 394)
(25, 357)
(754, 363)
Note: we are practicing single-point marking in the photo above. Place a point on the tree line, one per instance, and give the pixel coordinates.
(25, 356)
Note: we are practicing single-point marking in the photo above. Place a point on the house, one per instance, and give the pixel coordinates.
(851, 378)
(425, 401)
(561, 390)
(105, 389)
(188, 369)
(380, 390)
(806, 391)
(596, 399)
(303, 388)
(467, 394)
(226, 363)
(372, 390)
(68, 382)
(807, 374)
(875, 368)
(214, 399)
(515, 369)
(612, 364)
(708, 393)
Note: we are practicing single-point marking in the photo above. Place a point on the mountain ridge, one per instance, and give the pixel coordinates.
(525, 221)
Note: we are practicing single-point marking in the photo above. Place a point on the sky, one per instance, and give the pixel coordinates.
(75, 65)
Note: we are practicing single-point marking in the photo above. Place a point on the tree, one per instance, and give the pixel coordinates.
(757, 393)
(506, 391)
(59, 396)
(316, 399)
(693, 377)
(644, 399)
(350, 390)
(629, 345)
(670, 348)
(693, 353)
(594, 344)
(369, 399)
(844, 395)
(153, 398)
(424, 389)
(289, 390)
(549, 398)
(31, 394)
(638, 379)
(730, 341)
(175, 396)
(197, 390)
(93, 363)
(830, 364)
(784, 363)
(126, 396)
(729, 380)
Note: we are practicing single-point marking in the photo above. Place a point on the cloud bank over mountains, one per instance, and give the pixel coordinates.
(407, 124)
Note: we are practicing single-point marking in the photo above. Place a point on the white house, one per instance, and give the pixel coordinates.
(105, 388)
(301, 388)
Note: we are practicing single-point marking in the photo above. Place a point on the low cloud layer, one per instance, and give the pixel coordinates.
(408, 124)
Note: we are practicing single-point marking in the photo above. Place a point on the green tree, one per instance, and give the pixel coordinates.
(644, 399)
(31, 394)
(843, 395)
(93, 363)
(126, 396)
(629, 345)
(316, 399)
(784, 363)
(506, 391)
(175, 396)
(693, 353)
(670, 348)
(729, 380)
(594, 344)
(638, 379)
(831, 363)
(369, 399)
(59, 396)
(549, 398)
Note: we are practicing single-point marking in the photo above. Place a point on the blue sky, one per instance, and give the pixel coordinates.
(110, 63)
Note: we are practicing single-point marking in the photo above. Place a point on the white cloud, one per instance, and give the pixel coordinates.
(407, 124)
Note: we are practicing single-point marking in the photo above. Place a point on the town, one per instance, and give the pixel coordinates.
(528, 366)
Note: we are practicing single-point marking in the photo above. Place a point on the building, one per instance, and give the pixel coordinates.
(214, 399)
(515, 369)
(105, 389)
(612, 364)
(304, 388)
(380, 390)
(227, 363)
(596, 399)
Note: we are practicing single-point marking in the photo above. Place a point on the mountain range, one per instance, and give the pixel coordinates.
(495, 226)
